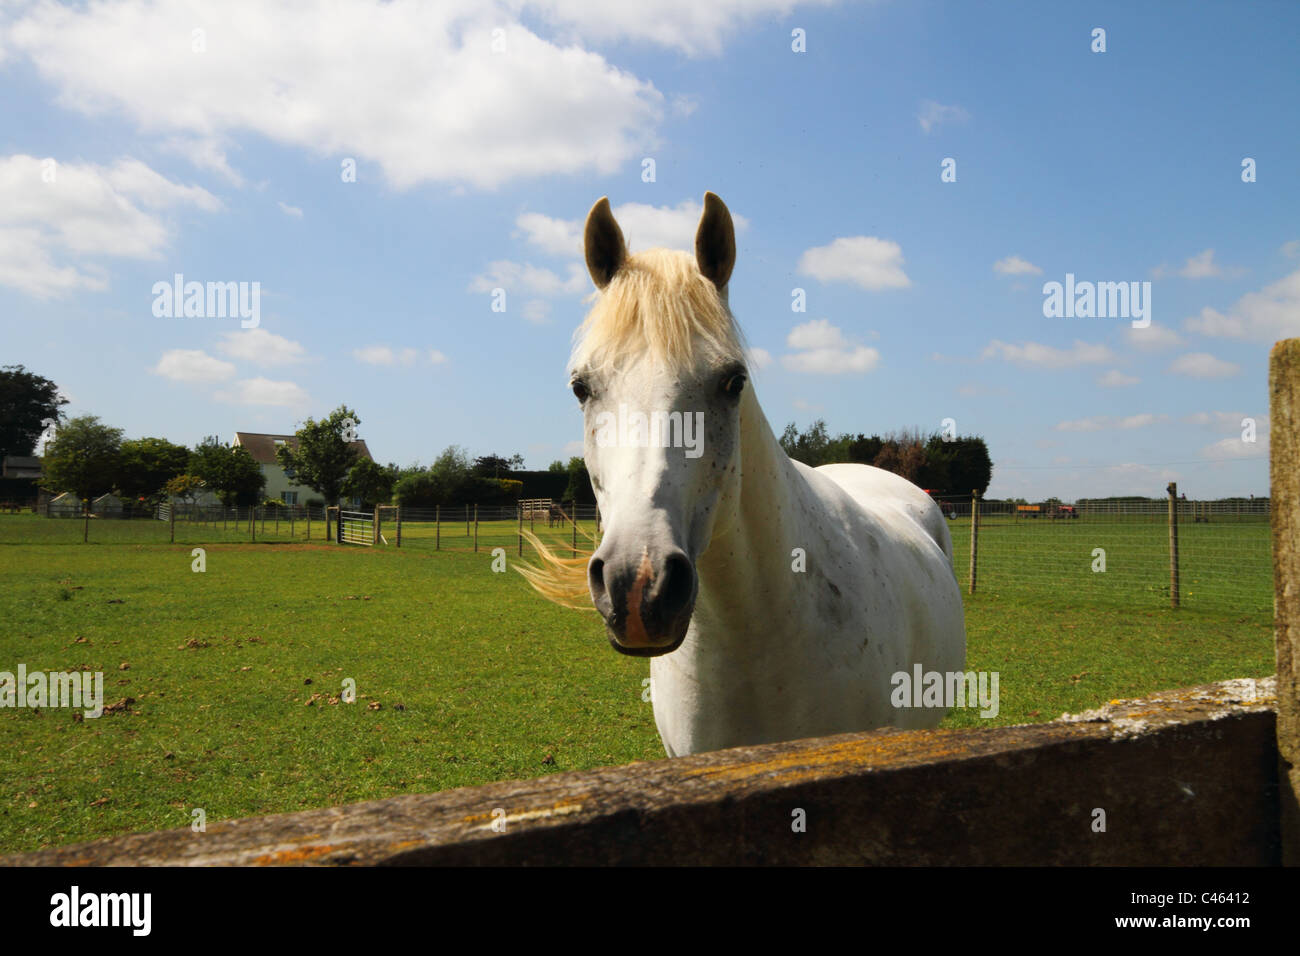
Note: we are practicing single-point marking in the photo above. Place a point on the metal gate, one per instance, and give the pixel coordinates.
(356, 527)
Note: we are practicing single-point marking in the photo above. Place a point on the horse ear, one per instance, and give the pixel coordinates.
(715, 242)
(603, 243)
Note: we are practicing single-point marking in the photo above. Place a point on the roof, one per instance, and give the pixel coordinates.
(262, 446)
(20, 466)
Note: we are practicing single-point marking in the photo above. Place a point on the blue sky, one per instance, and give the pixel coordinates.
(133, 148)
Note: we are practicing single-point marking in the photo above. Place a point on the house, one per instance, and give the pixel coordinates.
(280, 485)
(21, 466)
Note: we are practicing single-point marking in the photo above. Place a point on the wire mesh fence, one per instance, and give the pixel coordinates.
(1208, 554)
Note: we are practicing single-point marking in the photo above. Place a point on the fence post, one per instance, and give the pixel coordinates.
(309, 522)
(437, 527)
(171, 520)
(475, 528)
(291, 517)
(974, 535)
(85, 513)
(1173, 543)
(252, 523)
(519, 515)
(467, 521)
(1284, 481)
(574, 522)
(399, 525)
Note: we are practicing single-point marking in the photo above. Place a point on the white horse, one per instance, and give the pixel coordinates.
(776, 600)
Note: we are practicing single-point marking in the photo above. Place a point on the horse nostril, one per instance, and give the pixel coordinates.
(678, 586)
(596, 579)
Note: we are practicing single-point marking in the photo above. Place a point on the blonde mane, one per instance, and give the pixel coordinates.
(660, 305)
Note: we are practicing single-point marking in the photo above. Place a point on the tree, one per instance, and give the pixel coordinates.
(370, 481)
(558, 467)
(83, 458)
(809, 447)
(579, 488)
(186, 487)
(491, 466)
(971, 468)
(324, 455)
(229, 471)
(146, 464)
(27, 401)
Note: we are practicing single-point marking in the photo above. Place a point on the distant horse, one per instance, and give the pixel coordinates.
(777, 601)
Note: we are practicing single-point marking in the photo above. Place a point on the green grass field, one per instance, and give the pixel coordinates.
(235, 674)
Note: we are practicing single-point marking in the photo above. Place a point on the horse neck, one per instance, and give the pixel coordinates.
(746, 580)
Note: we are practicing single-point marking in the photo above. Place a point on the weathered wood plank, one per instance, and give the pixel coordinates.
(1184, 777)
(1284, 491)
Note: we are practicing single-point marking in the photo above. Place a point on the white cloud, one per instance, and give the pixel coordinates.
(1228, 449)
(422, 94)
(979, 390)
(1046, 356)
(384, 355)
(823, 349)
(1103, 422)
(264, 391)
(193, 366)
(933, 114)
(436, 357)
(1117, 379)
(536, 311)
(1153, 338)
(644, 227)
(77, 212)
(1015, 266)
(758, 358)
(525, 278)
(205, 153)
(561, 237)
(1229, 420)
(689, 26)
(1265, 316)
(1202, 365)
(1199, 266)
(1291, 249)
(294, 211)
(865, 260)
(261, 347)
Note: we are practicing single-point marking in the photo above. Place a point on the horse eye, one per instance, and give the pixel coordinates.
(580, 390)
(733, 385)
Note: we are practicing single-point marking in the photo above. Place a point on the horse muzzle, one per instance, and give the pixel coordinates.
(647, 603)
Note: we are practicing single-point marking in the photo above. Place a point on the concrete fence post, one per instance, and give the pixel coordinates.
(1284, 494)
(974, 536)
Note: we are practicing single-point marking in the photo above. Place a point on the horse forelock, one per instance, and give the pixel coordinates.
(657, 305)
